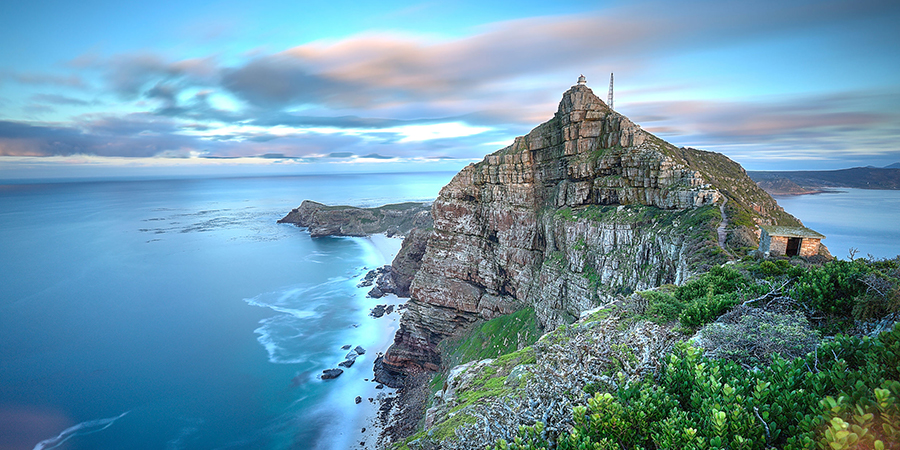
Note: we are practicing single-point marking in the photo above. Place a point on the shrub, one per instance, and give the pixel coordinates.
(696, 402)
(661, 307)
(750, 336)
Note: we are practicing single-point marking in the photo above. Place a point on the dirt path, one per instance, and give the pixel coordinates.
(722, 225)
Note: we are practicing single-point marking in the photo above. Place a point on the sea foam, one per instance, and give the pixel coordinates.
(87, 427)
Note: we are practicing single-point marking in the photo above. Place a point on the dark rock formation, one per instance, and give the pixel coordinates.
(408, 260)
(378, 311)
(347, 363)
(330, 374)
(323, 220)
(359, 350)
(585, 207)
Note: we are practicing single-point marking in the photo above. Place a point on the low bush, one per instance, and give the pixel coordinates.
(751, 336)
(698, 403)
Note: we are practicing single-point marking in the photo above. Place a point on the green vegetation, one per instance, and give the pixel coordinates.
(844, 396)
(380, 209)
(494, 338)
(834, 294)
(771, 381)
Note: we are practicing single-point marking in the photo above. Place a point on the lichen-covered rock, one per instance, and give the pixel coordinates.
(483, 401)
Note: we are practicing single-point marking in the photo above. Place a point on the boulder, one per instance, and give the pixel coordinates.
(330, 374)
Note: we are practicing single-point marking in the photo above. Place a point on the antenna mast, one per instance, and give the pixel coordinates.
(610, 98)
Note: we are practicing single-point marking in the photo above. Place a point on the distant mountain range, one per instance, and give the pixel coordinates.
(813, 181)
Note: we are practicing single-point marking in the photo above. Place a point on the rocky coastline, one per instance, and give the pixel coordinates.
(323, 220)
(579, 213)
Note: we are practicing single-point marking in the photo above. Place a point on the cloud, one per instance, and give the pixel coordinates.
(38, 78)
(58, 99)
(818, 127)
(407, 95)
(130, 75)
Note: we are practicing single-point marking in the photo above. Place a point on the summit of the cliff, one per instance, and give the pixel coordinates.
(583, 208)
(581, 98)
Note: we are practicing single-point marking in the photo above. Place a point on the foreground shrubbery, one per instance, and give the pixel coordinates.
(763, 369)
(833, 294)
(770, 384)
(848, 388)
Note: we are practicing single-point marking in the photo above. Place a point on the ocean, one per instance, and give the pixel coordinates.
(866, 220)
(176, 314)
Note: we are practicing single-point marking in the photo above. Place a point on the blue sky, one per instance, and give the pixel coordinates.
(169, 87)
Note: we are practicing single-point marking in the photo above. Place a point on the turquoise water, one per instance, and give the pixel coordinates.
(864, 219)
(178, 315)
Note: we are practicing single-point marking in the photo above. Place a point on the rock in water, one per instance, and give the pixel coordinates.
(347, 363)
(358, 401)
(329, 374)
(378, 311)
(359, 350)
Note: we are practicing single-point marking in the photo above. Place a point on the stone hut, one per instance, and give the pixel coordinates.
(775, 240)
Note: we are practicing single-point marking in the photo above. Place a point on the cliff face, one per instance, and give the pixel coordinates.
(323, 220)
(587, 205)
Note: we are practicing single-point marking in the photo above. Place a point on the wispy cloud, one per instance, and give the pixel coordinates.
(395, 93)
(58, 99)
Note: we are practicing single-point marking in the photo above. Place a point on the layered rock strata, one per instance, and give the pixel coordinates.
(584, 207)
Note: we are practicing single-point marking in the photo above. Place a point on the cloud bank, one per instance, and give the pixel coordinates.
(399, 95)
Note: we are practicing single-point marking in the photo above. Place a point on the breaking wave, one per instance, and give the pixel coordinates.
(287, 336)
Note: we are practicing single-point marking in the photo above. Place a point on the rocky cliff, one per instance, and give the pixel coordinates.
(324, 220)
(585, 207)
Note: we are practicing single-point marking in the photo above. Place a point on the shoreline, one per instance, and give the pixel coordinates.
(810, 192)
(370, 418)
(388, 247)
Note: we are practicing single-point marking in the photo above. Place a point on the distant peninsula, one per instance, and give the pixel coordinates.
(814, 181)
(325, 220)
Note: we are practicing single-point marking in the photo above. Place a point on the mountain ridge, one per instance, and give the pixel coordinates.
(585, 207)
(816, 180)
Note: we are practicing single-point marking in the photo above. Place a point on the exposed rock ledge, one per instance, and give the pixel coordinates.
(324, 220)
(584, 208)
(412, 220)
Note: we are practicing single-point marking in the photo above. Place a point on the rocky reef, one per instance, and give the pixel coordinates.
(324, 220)
(585, 208)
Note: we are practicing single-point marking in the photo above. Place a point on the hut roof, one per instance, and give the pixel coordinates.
(801, 232)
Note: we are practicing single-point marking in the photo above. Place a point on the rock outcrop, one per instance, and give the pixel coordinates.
(585, 207)
(324, 220)
(408, 260)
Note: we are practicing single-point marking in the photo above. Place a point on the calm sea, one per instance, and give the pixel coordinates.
(863, 219)
(179, 315)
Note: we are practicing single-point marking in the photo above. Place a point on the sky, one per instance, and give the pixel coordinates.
(103, 88)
